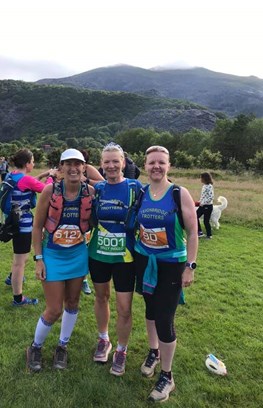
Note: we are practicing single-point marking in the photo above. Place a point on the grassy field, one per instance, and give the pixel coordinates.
(222, 315)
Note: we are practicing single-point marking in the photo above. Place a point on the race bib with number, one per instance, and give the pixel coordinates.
(67, 235)
(154, 237)
(111, 243)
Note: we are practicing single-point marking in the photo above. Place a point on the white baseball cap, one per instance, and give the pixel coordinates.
(72, 154)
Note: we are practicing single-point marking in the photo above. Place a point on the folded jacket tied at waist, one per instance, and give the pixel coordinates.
(151, 270)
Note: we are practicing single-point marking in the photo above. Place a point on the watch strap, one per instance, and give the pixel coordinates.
(37, 257)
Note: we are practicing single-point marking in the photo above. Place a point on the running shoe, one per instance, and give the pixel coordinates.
(118, 363)
(102, 351)
(25, 302)
(86, 288)
(149, 364)
(34, 358)
(162, 389)
(8, 280)
(60, 359)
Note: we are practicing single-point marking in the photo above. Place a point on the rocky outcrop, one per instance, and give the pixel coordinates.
(175, 120)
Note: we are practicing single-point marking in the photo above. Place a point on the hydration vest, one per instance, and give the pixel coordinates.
(56, 205)
(134, 192)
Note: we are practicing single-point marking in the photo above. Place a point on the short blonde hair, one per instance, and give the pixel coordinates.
(113, 147)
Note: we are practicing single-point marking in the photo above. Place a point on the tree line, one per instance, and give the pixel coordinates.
(234, 144)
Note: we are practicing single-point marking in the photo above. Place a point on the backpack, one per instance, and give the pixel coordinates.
(6, 190)
(10, 226)
(177, 200)
(56, 205)
(134, 194)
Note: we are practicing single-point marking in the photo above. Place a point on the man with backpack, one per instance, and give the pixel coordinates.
(130, 171)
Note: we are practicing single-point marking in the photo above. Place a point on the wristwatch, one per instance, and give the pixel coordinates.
(37, 257)
(191, 265)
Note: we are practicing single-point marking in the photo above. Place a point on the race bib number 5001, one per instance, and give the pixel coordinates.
(67, 235)
(154, 237)
(111, 243)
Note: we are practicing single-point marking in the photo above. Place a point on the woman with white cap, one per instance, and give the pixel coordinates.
(61, 254)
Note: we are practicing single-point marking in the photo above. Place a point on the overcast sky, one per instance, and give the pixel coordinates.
(57, 38)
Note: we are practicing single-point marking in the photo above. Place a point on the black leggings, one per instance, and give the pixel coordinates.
(161, 306)
(205, 210)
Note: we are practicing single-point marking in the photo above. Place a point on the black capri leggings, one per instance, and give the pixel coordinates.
(161, 306)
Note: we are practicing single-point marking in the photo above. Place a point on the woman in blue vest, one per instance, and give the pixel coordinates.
(111, 251)
(165, 263)
(61, 255)
(24, 198)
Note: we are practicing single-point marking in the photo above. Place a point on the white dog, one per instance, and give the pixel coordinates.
(217, 210)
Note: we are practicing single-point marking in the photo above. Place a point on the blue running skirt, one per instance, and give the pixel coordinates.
(66, 264)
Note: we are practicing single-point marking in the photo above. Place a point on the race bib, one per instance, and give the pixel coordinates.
(111, 243)
(67, 235)
(154, 237)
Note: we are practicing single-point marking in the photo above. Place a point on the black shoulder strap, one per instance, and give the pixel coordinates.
(177, 200)
(57, 188)
(142, 191)
(84, 189)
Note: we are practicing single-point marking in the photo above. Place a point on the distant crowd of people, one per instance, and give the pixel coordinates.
(106, 223)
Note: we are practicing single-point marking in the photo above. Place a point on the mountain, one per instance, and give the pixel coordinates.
(28, 109)
(219, 92)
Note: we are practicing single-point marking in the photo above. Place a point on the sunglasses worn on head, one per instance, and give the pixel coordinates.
(112, 146)
(157, 149)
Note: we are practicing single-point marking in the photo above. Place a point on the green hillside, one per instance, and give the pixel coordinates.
(28, 109)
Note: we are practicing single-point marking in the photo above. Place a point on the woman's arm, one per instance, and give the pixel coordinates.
(39, 222)
(190, 223)
(91, 190)
(93, 174)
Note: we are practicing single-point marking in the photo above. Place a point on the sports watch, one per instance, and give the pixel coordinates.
(37, 257)
(191, 265)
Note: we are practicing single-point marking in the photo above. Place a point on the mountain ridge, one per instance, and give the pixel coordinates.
(226, 93)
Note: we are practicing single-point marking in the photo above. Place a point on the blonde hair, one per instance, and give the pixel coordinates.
(161, 149)
(113, 147)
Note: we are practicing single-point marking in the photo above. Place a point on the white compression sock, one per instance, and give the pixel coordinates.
(42, 330)
(69, 319)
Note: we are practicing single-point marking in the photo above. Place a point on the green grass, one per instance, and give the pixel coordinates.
(223, 316)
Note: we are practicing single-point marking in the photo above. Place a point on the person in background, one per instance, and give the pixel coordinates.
(165, 263)
(91, 176)
(111, 251)
(130, 170)
(24, 197)
(3, 167)
(206, 204)
(61, 256)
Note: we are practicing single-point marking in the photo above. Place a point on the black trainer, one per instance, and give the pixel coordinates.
(60, 360)
(34, 358)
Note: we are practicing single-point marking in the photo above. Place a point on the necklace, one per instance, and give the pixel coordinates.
(155, 193)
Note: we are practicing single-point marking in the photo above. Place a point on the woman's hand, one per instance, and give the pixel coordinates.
(40, 270)
(187, 277)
